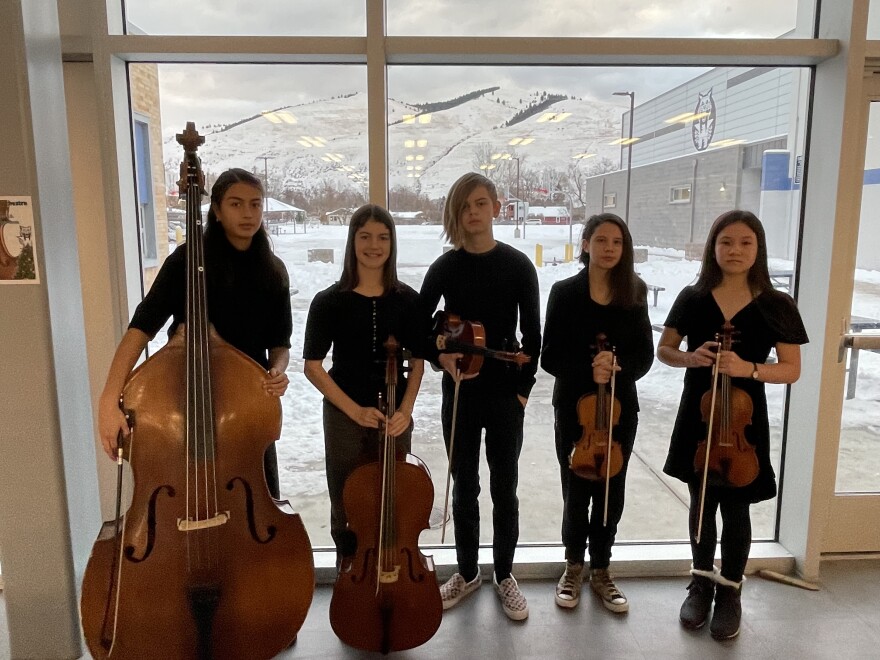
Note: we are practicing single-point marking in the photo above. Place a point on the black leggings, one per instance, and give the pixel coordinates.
(736, 533)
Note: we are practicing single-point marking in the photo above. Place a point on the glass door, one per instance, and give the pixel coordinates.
(854, 523)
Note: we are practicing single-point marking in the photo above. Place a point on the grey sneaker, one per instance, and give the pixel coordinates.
(612, 598)
(455, 588)
(568, 589)
(512, 600)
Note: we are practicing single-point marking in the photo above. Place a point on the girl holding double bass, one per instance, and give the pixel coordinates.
(732, 289)
(355, 316)
(605, 298)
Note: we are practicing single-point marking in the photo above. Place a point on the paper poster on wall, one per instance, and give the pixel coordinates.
(18, 259)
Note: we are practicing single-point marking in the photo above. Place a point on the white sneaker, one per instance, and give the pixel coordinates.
(455, 588)
(512, 600)
(612, 597)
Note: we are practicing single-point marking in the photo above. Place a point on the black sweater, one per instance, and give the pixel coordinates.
(496, 288)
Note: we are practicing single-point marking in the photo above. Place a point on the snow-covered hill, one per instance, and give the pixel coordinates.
(325, 142)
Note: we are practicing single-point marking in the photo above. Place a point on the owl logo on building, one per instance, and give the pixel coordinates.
(703, 127)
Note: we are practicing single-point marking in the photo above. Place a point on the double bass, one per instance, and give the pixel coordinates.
(387, 599)
(205, 563)
(725, 455)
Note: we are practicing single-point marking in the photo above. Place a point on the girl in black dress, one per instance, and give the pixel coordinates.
(605, 297)
(733, 286)
(248, 302)
(355, 316)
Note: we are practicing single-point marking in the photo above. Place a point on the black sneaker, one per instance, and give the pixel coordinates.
(695, 608)
(728, 612)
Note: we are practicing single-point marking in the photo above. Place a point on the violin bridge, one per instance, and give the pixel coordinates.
(389, 577)
(190, 525)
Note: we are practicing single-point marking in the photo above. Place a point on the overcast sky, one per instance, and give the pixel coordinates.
(225, 93)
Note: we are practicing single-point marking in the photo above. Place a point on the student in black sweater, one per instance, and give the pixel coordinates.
(248, 302)
(355, 316)
(492, 283)
(605, 297)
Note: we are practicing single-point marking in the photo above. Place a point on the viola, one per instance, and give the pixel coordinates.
(725, 455)
(455, 335)
(205, 563)
(597, 455)
(387, 599)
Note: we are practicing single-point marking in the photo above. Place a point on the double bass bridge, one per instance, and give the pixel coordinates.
(389, 577)
(190, 525)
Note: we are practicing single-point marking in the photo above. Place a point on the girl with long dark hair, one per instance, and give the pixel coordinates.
(606, 297)
(248, 302)
(733, 286)
(355, 316)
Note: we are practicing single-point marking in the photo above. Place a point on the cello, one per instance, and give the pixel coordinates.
(387, 598)
(205, 563)
(725, 453)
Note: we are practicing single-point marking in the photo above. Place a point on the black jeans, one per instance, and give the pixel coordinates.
(736, 533)
(501, 414)
(581, 525)
(348, 445)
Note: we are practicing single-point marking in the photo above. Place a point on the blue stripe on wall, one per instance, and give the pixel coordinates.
(774, 173)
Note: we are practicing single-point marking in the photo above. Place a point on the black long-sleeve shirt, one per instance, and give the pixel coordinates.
(248, 298)
(570, 328)
(496, 288)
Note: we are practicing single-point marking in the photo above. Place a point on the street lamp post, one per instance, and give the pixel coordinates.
(516, 233)
(266, 160)
(632, 105)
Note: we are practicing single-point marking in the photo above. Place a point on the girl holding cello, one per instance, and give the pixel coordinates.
(605, 298)
(732, 289)
(248, 302)
(355, 316)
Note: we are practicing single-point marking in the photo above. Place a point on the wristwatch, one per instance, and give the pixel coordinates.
(754, 371)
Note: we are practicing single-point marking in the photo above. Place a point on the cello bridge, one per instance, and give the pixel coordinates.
(389, 577)
(190, 525)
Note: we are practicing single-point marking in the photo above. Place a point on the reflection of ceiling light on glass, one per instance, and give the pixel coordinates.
(526, 141)
(421, 143)
(410, 157)
(305, 143)
(334, 157)
(729, 142)
(409, 119)
(685, 117)
(410, 176)
(425, 119)
(418, 168)
(561, 116)
(418, 176)
(487, 167)
(325, 159)
(624, 141)
(271, 116)
(409, 168)
(420, 157)
(515, 141)
(409, 144)
(313, 141)
(504, 156)
(279, 117)
(583, 156)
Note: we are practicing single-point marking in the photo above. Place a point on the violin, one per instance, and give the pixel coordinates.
(455, 335)
(725, 455)
(205, 563)
(387, 599)
(597, 455)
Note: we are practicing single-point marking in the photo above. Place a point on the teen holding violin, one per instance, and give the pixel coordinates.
(605, 298)
(355, 316)
(733, 288)
(485, 281)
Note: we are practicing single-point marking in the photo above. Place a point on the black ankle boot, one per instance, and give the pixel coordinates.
(728, 612)
(695, 609)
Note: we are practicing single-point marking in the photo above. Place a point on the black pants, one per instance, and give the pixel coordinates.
(348, 445)
(501, 414)
(736, 533)
(581, 525)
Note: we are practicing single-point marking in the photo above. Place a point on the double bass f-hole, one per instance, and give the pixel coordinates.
(725, 453)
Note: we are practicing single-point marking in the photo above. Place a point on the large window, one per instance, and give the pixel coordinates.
(550, 138)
